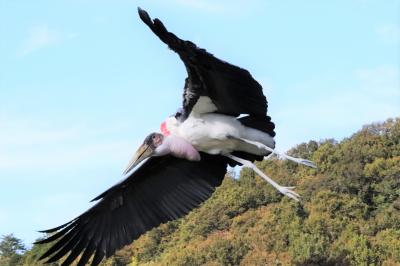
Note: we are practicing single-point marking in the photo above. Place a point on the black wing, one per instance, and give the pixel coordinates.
(232, 90)
(161, 190)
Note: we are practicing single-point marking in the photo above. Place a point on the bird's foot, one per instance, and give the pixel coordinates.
(287, 191)
(299, 160)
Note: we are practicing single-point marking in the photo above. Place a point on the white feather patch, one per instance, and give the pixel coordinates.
(203, 105)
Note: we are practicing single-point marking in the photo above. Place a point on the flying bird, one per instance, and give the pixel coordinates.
(223, 120)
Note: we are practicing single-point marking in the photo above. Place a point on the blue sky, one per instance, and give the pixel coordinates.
(83, 82)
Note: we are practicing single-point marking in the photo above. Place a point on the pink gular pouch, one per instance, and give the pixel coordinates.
(176, 146)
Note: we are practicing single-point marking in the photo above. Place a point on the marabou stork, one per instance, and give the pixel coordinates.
(185, 162)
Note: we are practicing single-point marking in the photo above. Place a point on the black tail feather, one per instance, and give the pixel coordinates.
(262, 123)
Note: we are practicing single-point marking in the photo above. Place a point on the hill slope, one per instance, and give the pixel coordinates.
(349, 213)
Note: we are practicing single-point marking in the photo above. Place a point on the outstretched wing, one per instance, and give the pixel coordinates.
(212, 85)
(161, 190)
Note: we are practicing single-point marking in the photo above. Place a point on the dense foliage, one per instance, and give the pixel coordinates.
(11, 249)
(349, 213)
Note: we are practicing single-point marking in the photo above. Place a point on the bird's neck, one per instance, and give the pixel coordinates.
(164, 129)
(169, 126)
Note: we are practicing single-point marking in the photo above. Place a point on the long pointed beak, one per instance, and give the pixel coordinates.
(142, 153)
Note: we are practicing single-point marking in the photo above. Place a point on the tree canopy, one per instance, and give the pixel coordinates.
(11, 250)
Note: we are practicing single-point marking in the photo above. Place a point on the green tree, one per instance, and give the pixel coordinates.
(11, 250)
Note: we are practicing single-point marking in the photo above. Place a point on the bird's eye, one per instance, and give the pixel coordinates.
(154, 136)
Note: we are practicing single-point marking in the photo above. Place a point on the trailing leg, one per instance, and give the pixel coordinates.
(284, 190)
(281, 155)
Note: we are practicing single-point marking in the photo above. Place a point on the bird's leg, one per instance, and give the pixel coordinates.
(284, 190)
(269, 156)
(281, 155)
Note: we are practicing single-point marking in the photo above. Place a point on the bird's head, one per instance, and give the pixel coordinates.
(146, 150)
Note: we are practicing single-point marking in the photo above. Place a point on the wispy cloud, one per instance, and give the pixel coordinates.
(389, 33)
(40, 37)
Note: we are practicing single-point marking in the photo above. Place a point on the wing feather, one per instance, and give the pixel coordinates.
(232, 89)
(162, 189)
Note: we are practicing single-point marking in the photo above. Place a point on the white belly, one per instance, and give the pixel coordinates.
(215, 125)
(218, 134)
(210, 132)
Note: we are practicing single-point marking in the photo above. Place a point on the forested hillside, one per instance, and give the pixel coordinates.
(349, 213)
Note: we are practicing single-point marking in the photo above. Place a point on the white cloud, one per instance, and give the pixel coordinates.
(389, 33)
(40, 37)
